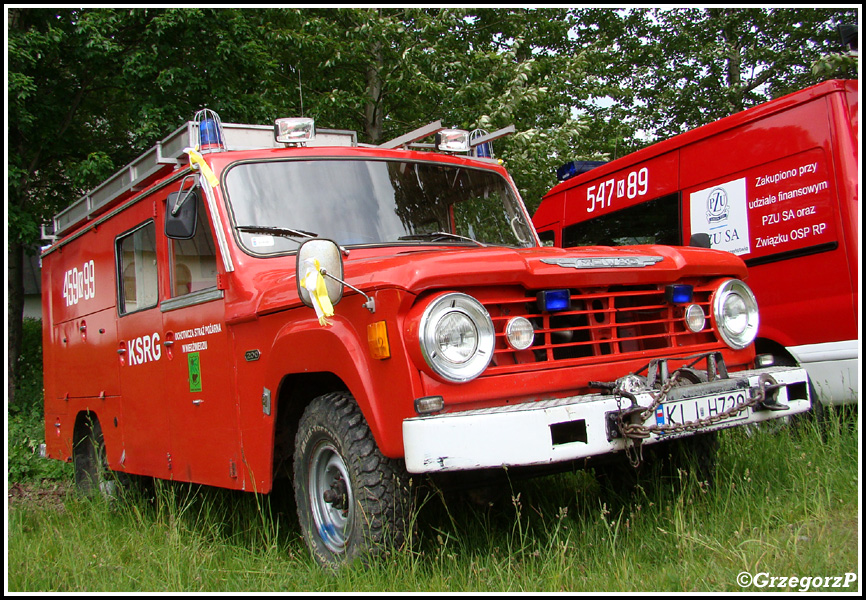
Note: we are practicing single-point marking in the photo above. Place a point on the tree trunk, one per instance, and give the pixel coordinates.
(372, 110)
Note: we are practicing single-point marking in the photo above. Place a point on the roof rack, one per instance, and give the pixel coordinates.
(168, 155)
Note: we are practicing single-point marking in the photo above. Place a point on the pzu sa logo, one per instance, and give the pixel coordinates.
(717, 206)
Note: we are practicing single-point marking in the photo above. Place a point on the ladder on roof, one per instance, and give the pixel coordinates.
(168, 155)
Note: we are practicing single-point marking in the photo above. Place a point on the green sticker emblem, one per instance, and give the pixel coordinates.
(194, 363)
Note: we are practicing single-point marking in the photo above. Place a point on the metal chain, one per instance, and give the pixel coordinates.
(639, 431)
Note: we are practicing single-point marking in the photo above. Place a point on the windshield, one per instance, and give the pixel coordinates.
(278, 204)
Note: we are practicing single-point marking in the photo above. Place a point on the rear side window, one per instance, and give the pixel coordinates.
(653, 222)
(136, 261)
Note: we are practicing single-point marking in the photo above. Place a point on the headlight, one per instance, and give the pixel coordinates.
(457, 337)
(736, 312)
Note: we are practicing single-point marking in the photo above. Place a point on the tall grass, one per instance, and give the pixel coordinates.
(784, 503)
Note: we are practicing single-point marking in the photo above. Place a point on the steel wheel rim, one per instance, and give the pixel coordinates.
(331, 519)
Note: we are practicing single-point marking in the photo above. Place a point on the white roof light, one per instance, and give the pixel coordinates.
(294, 130)
(452, 140)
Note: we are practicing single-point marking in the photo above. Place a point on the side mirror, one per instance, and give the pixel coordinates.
(181, 214)
(700, 240)
(330, 259)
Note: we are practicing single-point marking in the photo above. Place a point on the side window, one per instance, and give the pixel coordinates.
(136, 260)
(656, 221)
(194, 260)
(548, 238)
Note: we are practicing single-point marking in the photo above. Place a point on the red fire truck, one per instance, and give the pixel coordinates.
(244, 304)
(775, 185)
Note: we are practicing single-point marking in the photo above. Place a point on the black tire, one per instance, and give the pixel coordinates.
(352, 501)
(93, 478)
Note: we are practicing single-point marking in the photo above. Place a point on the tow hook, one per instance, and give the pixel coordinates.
(624, 387)
(771, 393)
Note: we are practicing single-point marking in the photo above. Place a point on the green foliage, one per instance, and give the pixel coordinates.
(671, 70)
(90, 89)
(839, 65)
(25, 424)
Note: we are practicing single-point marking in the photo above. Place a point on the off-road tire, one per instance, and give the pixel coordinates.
(335, 452)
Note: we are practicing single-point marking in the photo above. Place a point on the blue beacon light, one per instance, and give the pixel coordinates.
(209, 134)
(554, 300)
(679, 293)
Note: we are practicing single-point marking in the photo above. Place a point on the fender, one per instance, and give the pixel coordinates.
(775, 335)
(303, 346)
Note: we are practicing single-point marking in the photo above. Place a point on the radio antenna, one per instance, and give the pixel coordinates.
(300, 91)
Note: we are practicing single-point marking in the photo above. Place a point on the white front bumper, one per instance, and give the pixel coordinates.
(550, 431)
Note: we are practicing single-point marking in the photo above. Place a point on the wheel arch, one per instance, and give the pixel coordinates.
(768, 346)
(84, 424)
(295, 392)
(311, 360)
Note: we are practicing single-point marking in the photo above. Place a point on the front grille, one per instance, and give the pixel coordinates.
(616, 321)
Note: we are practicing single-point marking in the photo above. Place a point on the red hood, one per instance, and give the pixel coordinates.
(537, 268)
(420, 269)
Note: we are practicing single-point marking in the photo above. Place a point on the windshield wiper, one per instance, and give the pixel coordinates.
(285, 232)
(280, 231)
(438, 235)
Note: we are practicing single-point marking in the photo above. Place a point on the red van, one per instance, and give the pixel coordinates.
(775, 185)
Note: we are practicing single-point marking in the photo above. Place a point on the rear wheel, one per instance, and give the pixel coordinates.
(92, 475)
(352, 501)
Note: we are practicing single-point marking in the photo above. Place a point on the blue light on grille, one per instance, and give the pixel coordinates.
(554, 300)
(679, 293)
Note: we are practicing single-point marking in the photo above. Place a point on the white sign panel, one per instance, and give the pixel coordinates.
(721, 211)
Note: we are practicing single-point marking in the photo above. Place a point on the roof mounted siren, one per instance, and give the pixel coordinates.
(210, 131)
(576, 167)
(482, 150)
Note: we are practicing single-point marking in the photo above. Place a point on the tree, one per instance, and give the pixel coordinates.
(670, 70)
(90, 89)
(48, 89)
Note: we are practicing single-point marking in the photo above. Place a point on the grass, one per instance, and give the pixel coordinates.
(784, 503)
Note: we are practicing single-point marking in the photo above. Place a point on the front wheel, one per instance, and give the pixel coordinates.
(352, 501)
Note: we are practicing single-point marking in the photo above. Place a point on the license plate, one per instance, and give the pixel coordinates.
(693, 409)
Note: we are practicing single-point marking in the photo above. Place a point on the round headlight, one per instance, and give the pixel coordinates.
(695, 318)
(736, 312)
(457, 337)
(519, 333)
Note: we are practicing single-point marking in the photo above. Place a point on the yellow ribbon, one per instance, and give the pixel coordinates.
(197, 160)
(314, 283)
